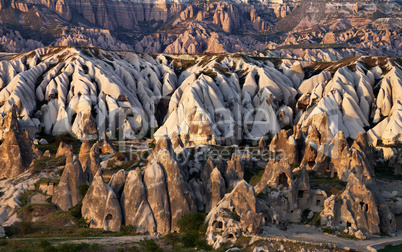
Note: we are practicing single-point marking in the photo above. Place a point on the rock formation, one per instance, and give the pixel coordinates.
(117, 182)
(100, 206)
(216, 188)
(134, 203)
(64, 150)
(89, 159)
(238, 211)
(67, 194)
(278, 176)
(158, 197)
(355, 210)
(17, 150)
(180, 195)
(234, 171)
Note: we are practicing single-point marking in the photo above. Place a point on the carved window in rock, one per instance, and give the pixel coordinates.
(363, 206)
(283, 180)
(217, 224)
(109, 217)
(300, 194)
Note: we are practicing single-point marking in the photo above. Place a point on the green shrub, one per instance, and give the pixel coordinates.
(171, 239)
(254, 180)
(75, 211)
(193, 227)
(46, 246)
(83, 188)
(126, 229)
(132, 249)
(201, 243)
(47, 181)
(191, 222)
(3, 242)
(73, 247)
(327, 230)
(61, 171)
(25, 227)
(150, 245)
(232, 214)
(25, 197)
(49, 163)
(189, 239)
(82, 222)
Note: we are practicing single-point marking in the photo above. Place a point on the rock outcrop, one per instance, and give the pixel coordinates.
(117, 182)
(215, 189)
(89, 159)
(287, 144)
(105, 145)
(180, 195)
(158, 197)
(134, 203)
(234, 171)
(237, 212)
(64, 150)
(356, 210)
(279, 190)
(17, 150)
(100, 206)
(67, 194)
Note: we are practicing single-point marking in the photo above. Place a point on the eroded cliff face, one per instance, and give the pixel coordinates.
(320, 120)
(17, 149)
(91, 93)
(187, 27)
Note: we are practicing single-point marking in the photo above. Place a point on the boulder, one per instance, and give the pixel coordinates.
(43, 141)
(47, 154)
(387, 218)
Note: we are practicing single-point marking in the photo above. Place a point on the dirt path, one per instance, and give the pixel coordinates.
(312, 234)
(107, 240)
(293, 233)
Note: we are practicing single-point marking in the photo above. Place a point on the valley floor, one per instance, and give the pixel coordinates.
(301, 233)
(294, 233)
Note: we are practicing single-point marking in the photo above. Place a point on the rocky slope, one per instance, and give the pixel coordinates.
(304, 122)
(369, 27)
(200, 99)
